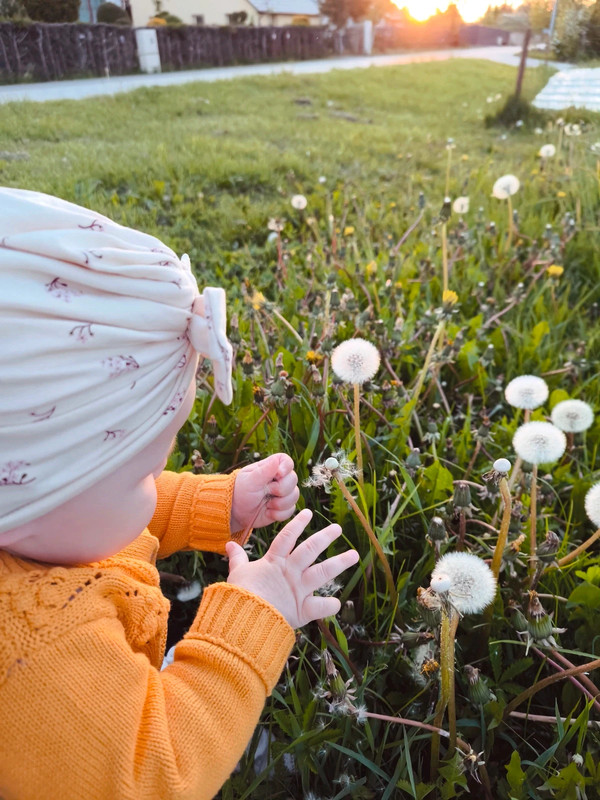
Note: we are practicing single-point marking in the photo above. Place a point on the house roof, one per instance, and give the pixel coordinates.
(299, 7)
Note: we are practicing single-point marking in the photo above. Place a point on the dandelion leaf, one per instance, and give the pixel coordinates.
(437, 484)
(515, 776)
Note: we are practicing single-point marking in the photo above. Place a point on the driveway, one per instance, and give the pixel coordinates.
(92, 87)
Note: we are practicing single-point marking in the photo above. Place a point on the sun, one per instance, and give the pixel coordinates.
(470, 10)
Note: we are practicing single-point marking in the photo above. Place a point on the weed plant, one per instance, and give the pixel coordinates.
(212, 170)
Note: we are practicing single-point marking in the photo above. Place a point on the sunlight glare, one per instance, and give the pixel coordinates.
(470, 10)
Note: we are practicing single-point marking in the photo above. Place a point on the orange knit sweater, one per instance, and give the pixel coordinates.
(85, 713)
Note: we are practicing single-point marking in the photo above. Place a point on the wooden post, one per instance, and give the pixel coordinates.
(521, 72)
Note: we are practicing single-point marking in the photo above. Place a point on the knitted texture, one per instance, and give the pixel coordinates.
(85, 711)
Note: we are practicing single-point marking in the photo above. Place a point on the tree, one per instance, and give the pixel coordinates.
(539, 13)
(340, 11)
(593, 32)
(56, 11)
(12, 9)
(112, 14)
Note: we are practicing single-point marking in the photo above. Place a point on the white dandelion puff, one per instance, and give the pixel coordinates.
(547, 151)
(506, 186)
(592, 504)
(471, 583)
(526, 391)
(189, 592)
(461, 205)
(355, 361)
(573, 129)
(299, 202)
(335, 466)
(572, 416)
(539, 442)
(595, 148)
(502, 465)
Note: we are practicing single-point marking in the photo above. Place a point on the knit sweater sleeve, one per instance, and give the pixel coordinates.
(87, 716)
(193, 512)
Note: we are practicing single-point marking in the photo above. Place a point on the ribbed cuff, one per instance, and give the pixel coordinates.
(210, 513)
(247, 626)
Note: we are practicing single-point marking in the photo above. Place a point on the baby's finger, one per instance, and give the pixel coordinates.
(315, 607)
(285, 501)
(286, 465)
(281, 515)
(308, 552)
(284, 485)
(319, 574)
(285, 541)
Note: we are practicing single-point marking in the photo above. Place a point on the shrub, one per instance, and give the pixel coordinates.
(170, 19)
(12, 9)
(56, 11)
(569, 42)
(112, 14)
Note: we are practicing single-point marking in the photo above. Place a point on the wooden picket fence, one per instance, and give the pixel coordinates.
(44, 52)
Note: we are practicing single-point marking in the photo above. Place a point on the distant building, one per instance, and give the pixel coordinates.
(227, 12)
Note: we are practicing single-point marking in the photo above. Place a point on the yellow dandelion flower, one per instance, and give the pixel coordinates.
(535, 172)
(371, 269)
(257, 300)
(313, 357)
(464, 157)
(400, 156)
(398, 285)
(561, 194)
(392, 205)
(449, 298)
(348, 230)
(554, 271)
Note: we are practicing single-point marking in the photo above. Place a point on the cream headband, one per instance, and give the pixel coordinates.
(101, 330)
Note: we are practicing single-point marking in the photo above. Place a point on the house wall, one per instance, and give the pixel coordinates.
(214, 13)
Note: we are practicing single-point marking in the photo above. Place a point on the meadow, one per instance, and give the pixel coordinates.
(319, 204)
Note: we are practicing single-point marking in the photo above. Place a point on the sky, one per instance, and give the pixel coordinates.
(470, 10)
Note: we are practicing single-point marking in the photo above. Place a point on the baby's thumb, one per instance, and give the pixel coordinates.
(237, 555)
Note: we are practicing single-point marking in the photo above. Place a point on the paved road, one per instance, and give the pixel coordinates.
(78, 89)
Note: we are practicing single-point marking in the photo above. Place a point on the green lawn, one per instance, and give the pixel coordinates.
(205, 167)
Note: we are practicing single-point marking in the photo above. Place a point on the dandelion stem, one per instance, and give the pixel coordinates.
(448, 163)
(287, 324)
(531, 690)
(373, 538)
(246, 438)
(413, 723)
(550, 720)
(503, 532)
(446, 699)
(510, 223)
(533, 521)
(421, 379)
(578, 550)
(445, 256)
(359, 457)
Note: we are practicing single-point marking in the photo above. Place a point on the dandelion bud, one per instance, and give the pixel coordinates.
(446, 210)
(413, 460)
(429, 606)
(547, 549)
(478, 690)
(421, 201)
(334, 300)
(539, 624)
(519, 620)
(462, 495)
(437, 530)
(348, 613)
(247, 363)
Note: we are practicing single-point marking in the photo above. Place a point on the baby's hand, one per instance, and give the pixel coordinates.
(264, 492)
(286, 578)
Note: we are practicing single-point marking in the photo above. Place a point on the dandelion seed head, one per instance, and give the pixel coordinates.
(572, 416)
(461, 205)
(472, 582)
(506, 186)
(355, 361)
(592, 504)
(502, 465)
(526, 391)
(539, 442)
(336, 466)
(331, 463)
(441, 583)
(547, 151)
(299, 202)
(189, 592)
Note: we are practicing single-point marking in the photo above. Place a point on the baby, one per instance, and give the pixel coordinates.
(101, 331)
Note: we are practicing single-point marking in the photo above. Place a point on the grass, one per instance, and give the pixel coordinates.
(205, 167)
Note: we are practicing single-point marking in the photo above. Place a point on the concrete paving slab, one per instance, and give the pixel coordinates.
(93, 87)
(576, 87)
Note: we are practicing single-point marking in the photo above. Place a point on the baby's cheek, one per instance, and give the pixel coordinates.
(141, 504)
